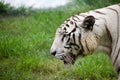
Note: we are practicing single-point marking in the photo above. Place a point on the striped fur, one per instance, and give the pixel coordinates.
(83, 33)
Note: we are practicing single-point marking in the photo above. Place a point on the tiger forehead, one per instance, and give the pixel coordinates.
(68, 23)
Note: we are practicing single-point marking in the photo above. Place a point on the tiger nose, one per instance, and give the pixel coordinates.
(53, 53)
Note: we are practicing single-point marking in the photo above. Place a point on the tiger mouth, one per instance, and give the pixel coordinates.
(66, 63)
(68, 60)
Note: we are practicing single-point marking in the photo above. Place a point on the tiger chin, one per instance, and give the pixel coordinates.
(83, 33)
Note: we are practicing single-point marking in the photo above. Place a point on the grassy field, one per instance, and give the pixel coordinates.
(25, 43)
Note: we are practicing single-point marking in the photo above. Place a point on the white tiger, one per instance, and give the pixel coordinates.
(83, 33)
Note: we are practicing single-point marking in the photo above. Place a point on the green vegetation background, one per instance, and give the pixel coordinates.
(26, 38)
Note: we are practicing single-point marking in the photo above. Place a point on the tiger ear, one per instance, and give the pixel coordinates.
(88, 23)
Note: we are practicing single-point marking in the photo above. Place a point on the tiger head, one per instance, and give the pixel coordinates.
(73, 40)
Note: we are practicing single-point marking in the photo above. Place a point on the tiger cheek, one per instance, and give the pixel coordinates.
(90, 43)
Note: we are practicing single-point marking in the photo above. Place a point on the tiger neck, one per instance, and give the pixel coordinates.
(104, 41)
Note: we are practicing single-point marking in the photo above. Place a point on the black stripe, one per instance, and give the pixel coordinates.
(117, 31)
(73, 30)
(76, 25)
(67, 47)
(79, 36)
(67, 25)
(82, 49)
(72, 44)
(99, 12)
(74, 38)
(73, 17)
(117, 56)
(79, 39)
(63, 38)
(68, 39)
(87, 46)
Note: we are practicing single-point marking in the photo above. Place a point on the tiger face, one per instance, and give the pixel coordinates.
(72, 40)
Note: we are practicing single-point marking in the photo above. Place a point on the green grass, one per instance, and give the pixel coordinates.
(25, 43)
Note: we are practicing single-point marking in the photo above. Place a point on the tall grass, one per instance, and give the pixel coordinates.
(25, 43)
